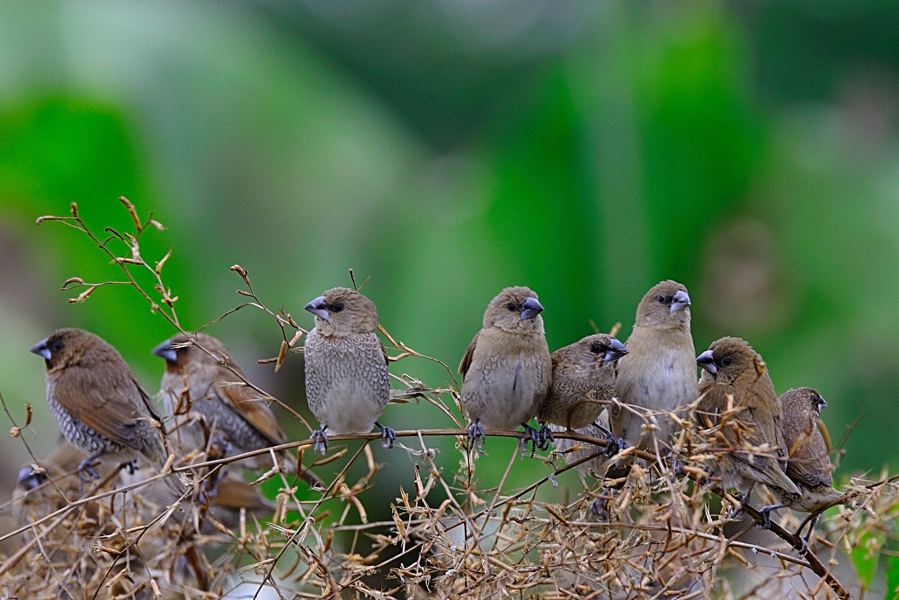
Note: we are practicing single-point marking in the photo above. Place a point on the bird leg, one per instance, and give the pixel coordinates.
(545, 436)
(614, 445)
(86, 470)
(808, 536)
(766, 514)
(529, 435)
(742, 499)
(476, 435)
(320, 440)
(388, 435)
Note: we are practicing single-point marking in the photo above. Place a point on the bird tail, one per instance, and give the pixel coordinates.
(774, 477)
(156, 451)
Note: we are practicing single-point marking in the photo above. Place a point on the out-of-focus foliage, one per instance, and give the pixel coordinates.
(449, 149)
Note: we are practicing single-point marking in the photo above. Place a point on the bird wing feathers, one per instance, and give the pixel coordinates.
(113, 406)
(249, 404)
(745, 430)
(468, 356)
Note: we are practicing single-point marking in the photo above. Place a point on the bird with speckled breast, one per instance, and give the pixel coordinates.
(347, 380)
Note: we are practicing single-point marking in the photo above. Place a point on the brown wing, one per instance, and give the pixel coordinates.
(747, 428)
(809, 462)
(233, 493)
(741, 429)
(249, 404)
(469, 354)
(111, 406)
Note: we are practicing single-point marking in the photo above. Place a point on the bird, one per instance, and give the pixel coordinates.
(201, 376)
(583, 381)
(98, 403)
(347, 380)
(507, 369)
(809, 465)
(659, 371)
(735, 381)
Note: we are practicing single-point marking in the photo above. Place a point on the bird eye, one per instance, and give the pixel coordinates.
(512, 307)
(663, 299)
(726, 361)
(337, 307)
(56, 346)
(596, 348)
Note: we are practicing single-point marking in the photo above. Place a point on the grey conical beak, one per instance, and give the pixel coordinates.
(318, 307)
(41, 349)
(679, 301)
(616, 351)
(707, 362)
(165, 351)
(530, 308)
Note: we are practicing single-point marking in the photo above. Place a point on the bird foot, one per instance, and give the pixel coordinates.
(737, 512)
(614, 445)
(86, 470)
(529, 435)
(545, 436)
(476, 436)
(599, 508)
(766, 514)
(388, 435)
(320, 440)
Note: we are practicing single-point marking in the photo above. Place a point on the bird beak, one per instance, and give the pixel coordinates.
(165, 351)
(41, 349)
(317, 308)
(530, 308)
(679, 301)
(707, 362)
(821, 403)
(28, 478)
(616, 351)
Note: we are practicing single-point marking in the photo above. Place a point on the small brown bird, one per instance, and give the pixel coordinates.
(347, 382)
(735, 378)
(659, 371)
(198, 380)
(583, 381)
(98, 403)
(507, 370)
(809, 466)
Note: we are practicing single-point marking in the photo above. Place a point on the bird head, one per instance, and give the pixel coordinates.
(68, 346)
(729, 359)
(666, 304)
(342, 312)
(181, 351)
(515, 309)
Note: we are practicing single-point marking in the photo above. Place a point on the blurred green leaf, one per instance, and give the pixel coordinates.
(866, 555)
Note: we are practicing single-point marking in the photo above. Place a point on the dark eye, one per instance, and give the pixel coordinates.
(337, 307)
(597, 348)
(726, 361)
(663, 299)
(56, 346)
(512, 307)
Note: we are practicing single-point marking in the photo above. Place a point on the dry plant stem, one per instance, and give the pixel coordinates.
(814, 563)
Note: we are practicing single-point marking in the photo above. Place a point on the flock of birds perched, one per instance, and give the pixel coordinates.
(598, 386)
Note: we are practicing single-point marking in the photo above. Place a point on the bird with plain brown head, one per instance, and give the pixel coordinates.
(658, 374)
(347, 380)
(735, 383)
(201, 377)
(809, 465)
(507, 370)
(583, 381)
(98, 403)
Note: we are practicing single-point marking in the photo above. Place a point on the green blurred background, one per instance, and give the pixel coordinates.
(448, 149)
